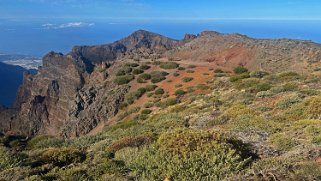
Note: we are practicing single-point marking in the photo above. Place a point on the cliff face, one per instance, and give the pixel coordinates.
(70, 95)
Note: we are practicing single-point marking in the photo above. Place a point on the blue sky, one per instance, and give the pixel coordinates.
(153, 10)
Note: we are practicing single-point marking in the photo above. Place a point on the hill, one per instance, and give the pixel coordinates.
(208, 107)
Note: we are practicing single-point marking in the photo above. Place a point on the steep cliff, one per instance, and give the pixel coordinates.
(69, 96)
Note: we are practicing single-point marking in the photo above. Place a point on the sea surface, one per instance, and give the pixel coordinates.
(35, 38)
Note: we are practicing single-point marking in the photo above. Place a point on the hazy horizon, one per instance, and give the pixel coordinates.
(35, 27)
(38, 38)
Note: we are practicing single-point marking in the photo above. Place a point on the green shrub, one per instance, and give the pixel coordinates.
(176, 74)
(125, 79)
(253, 85)
(143, 77)
(181, 68)
(132, 64)
(282, 142)
(134, 110)
(169, 65)
(258, 74)
(132, 96)
(158, 76)
(202, 87)
(219, 75)
(180, 92)
(288, 102)
(148, 105)
(128, 142)
(145, 67)
(179, 155)
(146, 111)
(287, 75)
(168, 102)
(159, 91)
(235, 78)
(178, 85)
(62, 156)
(9, 160)
(313, 107)
(187, 79)
(218, 70)
(190, 71)
(240, 70)
(44, 141)
(138, 71)
(123, 71)
(150, 88)
(191, 66)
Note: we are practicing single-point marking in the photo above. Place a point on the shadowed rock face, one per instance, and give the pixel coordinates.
(70, 97)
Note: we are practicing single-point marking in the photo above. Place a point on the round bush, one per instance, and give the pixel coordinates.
(169, 65)
(180, 154)
(62, 156)
(145, 67)
(138, 71)
(146, 111)
(240, 70)
(159, 91)
(187, 79)
(125, 79)
(180, 92)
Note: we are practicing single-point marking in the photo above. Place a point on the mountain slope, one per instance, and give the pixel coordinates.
(74, 93)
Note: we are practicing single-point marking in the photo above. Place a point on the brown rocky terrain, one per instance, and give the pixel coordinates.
(72, 94)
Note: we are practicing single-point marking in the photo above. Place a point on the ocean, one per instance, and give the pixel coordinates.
(35, 38)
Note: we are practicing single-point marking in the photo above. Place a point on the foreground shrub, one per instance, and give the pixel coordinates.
(191, 154)
(9, 160)
(169, 65)
(62, 156)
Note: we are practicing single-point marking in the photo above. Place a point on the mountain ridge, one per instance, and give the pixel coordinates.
(73, 93)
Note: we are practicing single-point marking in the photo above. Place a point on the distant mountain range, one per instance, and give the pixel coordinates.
(25, 61)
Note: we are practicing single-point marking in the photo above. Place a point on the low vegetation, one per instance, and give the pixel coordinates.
(239, 126)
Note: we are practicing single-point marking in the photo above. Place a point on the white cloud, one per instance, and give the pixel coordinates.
(67, 25)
